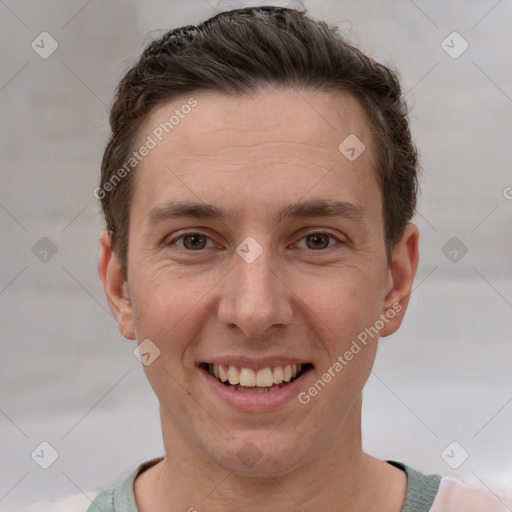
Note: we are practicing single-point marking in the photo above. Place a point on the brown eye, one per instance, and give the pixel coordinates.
(194, 241)
(317, 241)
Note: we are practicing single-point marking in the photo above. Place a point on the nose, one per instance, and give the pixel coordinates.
(256, 297)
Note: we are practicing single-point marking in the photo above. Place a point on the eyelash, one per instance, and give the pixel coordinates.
(188, 233)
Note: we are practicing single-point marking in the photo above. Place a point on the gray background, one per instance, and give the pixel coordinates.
(69, 378)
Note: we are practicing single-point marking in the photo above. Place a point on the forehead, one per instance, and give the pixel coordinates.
(298, 116)
(261, 147)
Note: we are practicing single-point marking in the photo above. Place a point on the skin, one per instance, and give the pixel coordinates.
(251, 155)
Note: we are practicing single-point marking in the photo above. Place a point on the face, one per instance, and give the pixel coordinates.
(256, 254)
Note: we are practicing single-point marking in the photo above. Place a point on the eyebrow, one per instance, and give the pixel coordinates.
(299, 210)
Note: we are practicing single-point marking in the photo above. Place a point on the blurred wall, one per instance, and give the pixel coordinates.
(68, 377)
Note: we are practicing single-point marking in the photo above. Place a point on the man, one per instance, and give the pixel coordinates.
(258, 190)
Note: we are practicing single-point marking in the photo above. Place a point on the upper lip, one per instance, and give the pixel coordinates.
(253, 363)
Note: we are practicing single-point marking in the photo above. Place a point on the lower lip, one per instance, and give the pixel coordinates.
(252, 402)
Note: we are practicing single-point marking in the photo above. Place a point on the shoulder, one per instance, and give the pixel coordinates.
(120, 498)
(421, 489)
(454, 496)
(104, 501)
(434, 493)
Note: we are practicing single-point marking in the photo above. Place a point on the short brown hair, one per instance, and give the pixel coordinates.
(238, 51)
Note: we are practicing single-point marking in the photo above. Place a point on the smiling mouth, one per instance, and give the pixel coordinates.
(248, 380)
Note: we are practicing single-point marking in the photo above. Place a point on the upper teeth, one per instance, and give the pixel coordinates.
(266, 377)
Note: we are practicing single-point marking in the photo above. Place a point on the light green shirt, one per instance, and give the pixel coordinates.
(421, 491)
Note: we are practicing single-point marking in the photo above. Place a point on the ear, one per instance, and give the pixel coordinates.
(402, 269)
(115, 287)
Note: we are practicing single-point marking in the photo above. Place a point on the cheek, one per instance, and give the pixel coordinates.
(344, 309)
(170, 309)
(342, 306)
(164, 313)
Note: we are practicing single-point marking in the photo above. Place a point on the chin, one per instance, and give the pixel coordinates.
(260, 455)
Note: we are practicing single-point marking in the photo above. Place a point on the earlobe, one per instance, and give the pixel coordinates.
(402, 269)
(115, 287)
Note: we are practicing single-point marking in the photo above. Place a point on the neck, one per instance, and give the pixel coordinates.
(343, 474)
